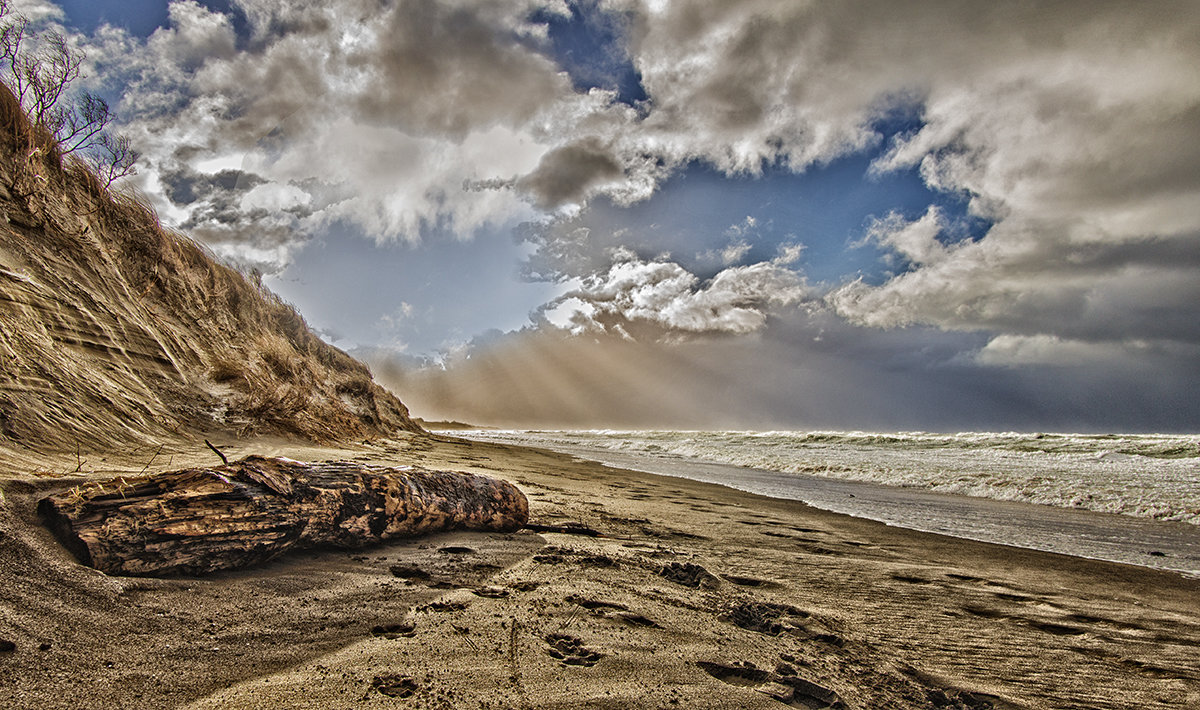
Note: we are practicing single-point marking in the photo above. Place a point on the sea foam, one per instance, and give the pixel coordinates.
(1149, 476)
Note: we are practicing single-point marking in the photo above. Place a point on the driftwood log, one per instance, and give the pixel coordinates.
(205, 519)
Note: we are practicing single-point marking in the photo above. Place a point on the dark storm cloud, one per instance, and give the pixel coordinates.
(250, 220)
(449, 68)
(570, 173)
(1091, 291)
(185, 186)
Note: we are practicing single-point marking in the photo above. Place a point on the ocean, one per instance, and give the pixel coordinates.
(1125, 498)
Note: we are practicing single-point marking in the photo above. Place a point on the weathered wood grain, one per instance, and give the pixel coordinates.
(206, 519)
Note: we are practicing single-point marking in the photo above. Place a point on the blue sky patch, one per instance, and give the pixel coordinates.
(701, 211)
(592, 47)
(139, 17)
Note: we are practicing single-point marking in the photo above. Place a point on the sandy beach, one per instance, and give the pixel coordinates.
(946, 248)
(691, 595)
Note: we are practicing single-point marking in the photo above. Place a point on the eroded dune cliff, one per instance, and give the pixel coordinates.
(114, 330)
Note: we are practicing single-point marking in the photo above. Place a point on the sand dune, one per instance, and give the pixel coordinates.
(118, 332)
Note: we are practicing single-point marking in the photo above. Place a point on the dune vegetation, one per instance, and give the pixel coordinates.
(117, 329)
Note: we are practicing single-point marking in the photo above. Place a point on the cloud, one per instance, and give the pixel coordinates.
(37, 10)
(195, 36)
(789, 253)
(570, 173)
(1066, 127)
(1032, 283)
(452, 68)
(1049, 350)
(737, 300)
(915, 241)
(380, 114)
(1071, 128)
(738, 246)
(734, 252)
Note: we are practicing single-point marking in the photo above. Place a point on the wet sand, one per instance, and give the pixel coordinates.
(1147, 542)
(693, 596)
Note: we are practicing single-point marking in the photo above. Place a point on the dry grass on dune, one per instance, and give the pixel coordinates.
(115, 329)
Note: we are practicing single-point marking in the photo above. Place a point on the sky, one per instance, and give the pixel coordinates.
(769, 214)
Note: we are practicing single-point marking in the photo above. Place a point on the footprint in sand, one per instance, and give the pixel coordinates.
(570, 651)
(491, 592)
(395, 686)
(408, 572)
(636, 620)
(766, 618)
(403, 629)
(595, 604)
(775, 619)
(613, 610)
(748, 581)
(907, 579)
(1050, 627)
(550, 559)
(788, 689)
(688, 574)
(1105, 622)
(1020, 598)
(737, 674)
(444, 607)
(1056, 629)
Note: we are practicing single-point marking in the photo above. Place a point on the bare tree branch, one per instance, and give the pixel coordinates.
(40, 69)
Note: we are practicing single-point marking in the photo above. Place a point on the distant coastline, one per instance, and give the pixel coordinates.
(450, 425)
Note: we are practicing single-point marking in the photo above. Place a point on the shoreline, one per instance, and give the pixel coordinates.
(1182, 548)
(784, 595)
(1104, 536)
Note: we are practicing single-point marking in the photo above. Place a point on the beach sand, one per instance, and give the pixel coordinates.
(693, 596)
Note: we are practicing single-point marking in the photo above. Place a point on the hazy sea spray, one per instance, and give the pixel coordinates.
(1151, 476)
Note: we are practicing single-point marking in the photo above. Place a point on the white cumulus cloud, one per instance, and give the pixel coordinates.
(736, 300)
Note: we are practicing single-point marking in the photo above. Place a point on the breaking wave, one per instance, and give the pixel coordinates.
(1150, 476)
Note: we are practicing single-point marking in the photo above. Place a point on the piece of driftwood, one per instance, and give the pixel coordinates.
(205, 519)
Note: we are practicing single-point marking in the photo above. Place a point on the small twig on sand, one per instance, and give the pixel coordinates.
(466, 637)
(78, 461)
(569, 621)
(217, 452)
(156, 453)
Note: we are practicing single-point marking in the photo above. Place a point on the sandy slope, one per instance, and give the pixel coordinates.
(115, 330)
(793, 604)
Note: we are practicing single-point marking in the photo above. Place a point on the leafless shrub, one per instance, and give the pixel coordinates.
(40, 68)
